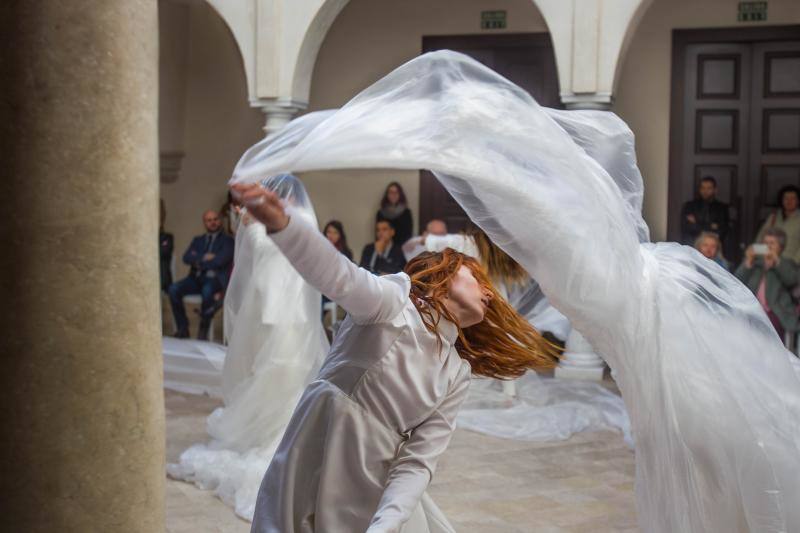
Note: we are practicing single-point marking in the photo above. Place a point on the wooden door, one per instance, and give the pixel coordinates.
(775, 125)
(716, 127)
(525, 59)
(736, 117)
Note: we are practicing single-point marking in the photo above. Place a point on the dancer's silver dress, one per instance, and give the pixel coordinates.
(364, 440)
(713, 398)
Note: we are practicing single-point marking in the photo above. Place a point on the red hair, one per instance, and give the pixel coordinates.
(503, 345)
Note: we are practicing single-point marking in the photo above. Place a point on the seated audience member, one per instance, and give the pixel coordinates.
(709, 244)
(705, 213)
(166, 244)
(210, 257)
(334, 231)
(771, 277)
(383, 256)
(416, 245)
(394, 208)
(787, 218)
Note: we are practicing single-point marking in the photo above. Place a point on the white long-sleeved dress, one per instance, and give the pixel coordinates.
(363, 443)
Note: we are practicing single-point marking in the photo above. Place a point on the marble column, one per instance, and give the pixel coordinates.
(82, 445)
(579, 360)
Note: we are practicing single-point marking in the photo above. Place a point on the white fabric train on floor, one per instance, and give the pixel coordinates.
(275, 348)
(193, 367)
(543, 409)
(713, 399)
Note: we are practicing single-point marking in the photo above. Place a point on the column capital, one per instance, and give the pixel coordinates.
(278, 112)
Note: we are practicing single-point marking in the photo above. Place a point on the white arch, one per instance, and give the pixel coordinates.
(279, 41)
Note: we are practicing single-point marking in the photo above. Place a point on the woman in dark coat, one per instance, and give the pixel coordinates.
(394, 208)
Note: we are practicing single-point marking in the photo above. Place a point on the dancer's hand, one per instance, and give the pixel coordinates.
(263, 205)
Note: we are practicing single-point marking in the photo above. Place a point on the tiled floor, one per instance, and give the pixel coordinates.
(483, 484)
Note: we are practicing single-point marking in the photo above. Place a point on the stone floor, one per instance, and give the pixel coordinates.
(483, 484)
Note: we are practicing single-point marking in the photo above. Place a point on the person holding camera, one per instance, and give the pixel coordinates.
(787, 218)
(771, 278)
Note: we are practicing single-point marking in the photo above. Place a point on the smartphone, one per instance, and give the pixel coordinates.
(760, 249)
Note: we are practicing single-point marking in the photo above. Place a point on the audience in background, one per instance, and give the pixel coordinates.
(334, 231)
(787, 218)
(230, 213)
(416, 245)
(166, 244)
(383, 256)
(710, 245)
(210, 257)
(705, 213)
(394, 208)
(771, 276)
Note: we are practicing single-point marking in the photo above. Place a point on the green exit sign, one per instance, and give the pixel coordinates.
(752, 11)
(493, 20)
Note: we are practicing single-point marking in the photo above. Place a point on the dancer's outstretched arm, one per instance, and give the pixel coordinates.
(366, 297)
(413, 468)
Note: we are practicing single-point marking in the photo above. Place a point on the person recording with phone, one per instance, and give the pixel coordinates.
(771, 278)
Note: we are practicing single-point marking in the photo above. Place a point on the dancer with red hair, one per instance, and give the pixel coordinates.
(364, 440)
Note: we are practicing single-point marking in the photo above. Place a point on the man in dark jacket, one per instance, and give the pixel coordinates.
(383, 256)
(209, 257)
(706, 213)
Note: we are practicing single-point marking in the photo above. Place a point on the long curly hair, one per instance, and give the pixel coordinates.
(504, 345)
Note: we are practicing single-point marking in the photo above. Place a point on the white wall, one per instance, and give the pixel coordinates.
(643, 91)
(367, 41)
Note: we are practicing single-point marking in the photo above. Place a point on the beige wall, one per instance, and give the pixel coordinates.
(173, 44)
(643, 90)
(216, 124)
(367, 41)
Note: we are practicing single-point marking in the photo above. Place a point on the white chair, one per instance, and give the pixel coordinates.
(196, 299)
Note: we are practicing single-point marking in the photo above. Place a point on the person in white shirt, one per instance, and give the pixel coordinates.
(362, 445)
(416, 245)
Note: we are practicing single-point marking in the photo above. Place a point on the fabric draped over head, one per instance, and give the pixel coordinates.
(292, 191)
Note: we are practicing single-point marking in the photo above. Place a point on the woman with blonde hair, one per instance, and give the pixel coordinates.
(709, 244)
(364, 440)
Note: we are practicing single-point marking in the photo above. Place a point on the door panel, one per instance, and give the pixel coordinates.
(736, 117)
(775, 144)
(715, 119)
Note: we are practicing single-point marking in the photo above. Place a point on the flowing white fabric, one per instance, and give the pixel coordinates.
(713, 399)
(193, 367)
(276, 344)
(543, 409)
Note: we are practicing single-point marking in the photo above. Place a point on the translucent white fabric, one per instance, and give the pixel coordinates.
(276, 344)
(193, 367)
(543, 409)
(713, 399)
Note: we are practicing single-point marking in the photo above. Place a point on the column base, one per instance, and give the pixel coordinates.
(588, 374)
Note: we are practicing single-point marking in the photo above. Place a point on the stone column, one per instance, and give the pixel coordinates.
(579, 360)
(82, 438)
